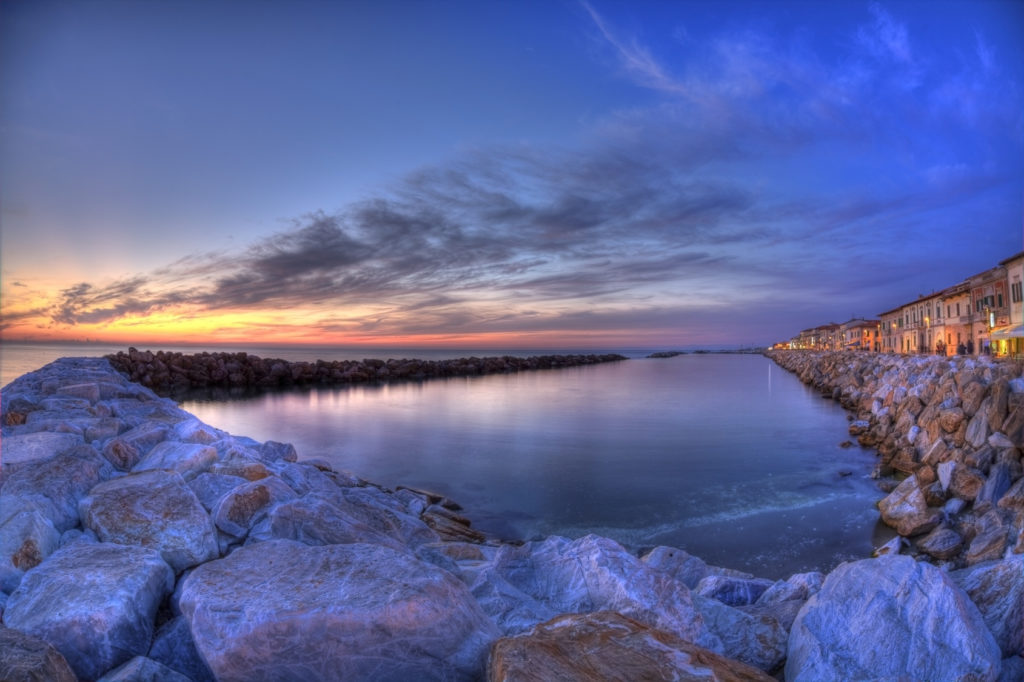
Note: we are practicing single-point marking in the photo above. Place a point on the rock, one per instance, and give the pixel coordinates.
(950, 418)
(945, 474)
(935, 454)
(188, 459)
(174, 647)
(797, 587)
(685, 567)
(589, 574)
(997, 483)
(608, 646)
(891, 618)
(55, 486)
(209, 488)
(732, 591)
(26, 538)
(153, 509)
(754, 637)
(142, 669)
(32, 448)
(906, 509)
(941, 543)
(238, 509)
(1013, 498)
(94, 602)
(125, 451)
(29, 659)
(966, 482)
(892, 547)
(991, 540)
(338, 612)
(977, 430)
(1000, 441)
(999, 394)
(316, 519)
(1013, 669)
(997, 589)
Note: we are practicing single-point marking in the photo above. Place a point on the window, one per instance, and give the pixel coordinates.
(958, 310)
(999, 300)
(1016, 295)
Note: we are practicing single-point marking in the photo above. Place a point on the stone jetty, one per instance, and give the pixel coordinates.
(168, 371)
(137, 542)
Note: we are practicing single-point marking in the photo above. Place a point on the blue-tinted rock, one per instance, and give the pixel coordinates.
(890, 618)
(94, 602)
(29, 659)
(173, 647)
(335, 612)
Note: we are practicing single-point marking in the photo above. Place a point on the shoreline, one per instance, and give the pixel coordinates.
(149, 523)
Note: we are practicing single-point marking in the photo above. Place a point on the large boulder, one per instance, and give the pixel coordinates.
(753, 635)
(153, 509)
(31, 448)
(239, 508)
(96, 603)
(283, 610)
(188, 459)
(142, 669)
(26, 538)
(589, 574)
(55, 486)
(608, 646)
(906, 509)
(997, 589)
(29, 659)
(891, 618)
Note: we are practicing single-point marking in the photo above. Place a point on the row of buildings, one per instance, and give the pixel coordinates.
(984, 314)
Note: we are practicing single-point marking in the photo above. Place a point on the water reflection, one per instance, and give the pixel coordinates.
(699, 452)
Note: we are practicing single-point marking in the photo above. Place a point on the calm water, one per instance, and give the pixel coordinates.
(726, 456)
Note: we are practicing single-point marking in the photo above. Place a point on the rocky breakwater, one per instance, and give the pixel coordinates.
(167, 371)
(949, 433)
(137, 542)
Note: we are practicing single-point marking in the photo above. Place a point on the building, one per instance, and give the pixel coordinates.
(1010, 340)
(860, 334)
(990, 306)
(956, 303)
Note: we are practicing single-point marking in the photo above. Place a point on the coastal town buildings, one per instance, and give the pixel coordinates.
(983, 314)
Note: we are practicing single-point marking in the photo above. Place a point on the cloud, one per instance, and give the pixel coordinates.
(767, 171)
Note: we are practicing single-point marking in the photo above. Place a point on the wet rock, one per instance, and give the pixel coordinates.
(608, 646)
(894, 618)
(906, 509)
(142, 669)
(26, 538)
(187, 459)
(153, 509)
(94, 602)
(340, 612)
(997, 589)
(29, 659)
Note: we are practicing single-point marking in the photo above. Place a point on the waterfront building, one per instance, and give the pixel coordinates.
(860, 334)
(956, 304)
(990, 306)
(888, 327)
(1010, 340)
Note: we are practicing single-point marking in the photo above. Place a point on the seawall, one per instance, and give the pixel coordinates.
(166, 371)
(953, 427)
(137, 542)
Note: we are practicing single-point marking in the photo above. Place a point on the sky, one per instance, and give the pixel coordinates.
(556, 173)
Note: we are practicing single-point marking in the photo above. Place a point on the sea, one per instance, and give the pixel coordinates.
(724, 455)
